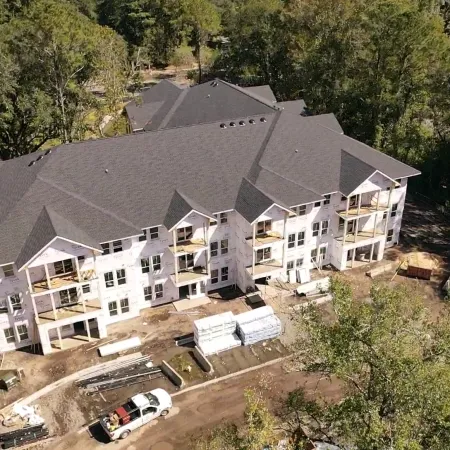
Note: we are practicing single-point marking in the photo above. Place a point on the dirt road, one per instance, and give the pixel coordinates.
(201, 409)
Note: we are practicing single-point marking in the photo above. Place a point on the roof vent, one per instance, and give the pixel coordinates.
(106, 170)
(48, 152)
(263, 119)
(32, 163)
(39, 158)
(296, 150)
(209, 95)
(232, 124)
(241, 123)
(222, 125)
(252, 121)
(215, 84)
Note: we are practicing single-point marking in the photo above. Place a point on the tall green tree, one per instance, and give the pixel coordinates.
(393, 363)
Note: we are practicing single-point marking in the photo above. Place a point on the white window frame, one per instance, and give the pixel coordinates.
(148, 293)
(315, 252)
(4, 308)
(265, 225)
(8, 271)
(67, 266)
(156, 263)
(323, 252)
(10, 338)
(121, 280)
(318, 204)
(315, 229)
(290, 265)
(291, 240)
(66, 296)
(124, 305)
(223, 218)
(301, 238)
(214, 276)
(153, 232)
(327, 199)
(159, 290)
(263, 251)
(324, 226)
(86, 288)
(113, 311)
(117, 246)
(301, 210)
(106, 248)
(143, 236)
(390, 235)
(14, 305)
(224, 246)
(214, 251)
(22, 332)
(185, 233)
(187, 261)
(109, 279)
(394, 209)
(224, 273)
(299, 262)
(145, 265)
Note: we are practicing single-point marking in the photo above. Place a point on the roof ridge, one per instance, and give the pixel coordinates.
(87, 202)
(172, 109)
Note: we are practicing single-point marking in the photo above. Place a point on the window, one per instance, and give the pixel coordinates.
(291, 241)
(394, 210)
(156, 263)
(109, 279)
(214, 276)
(9, 335)
(323, 252)
(148, 293)
(384, 215)
(390, 235)
(263, 227)
(214, 248)
(314, 254)
(224, 246)
(121, 279)
(3, 305)
(68, 296)
(154, 233)
(143, 236)
(86, 288)
(186, 261)
(184, 234)
(124, 306)
(81, 258)
(223, 217)
(16, 302)
(324, 227)
(224, 273)
(353, 200)
(341, 223)
(290, 265)
(317, 204)
(301, 210)
(212, 222)
(299, 262)
(62, 267)
(316, 228)
(105, 248)
(263, 254)
(159, 290)
(145, 265)
(343, 198)
(8, 271)
(301, 238)
(327, 199)
(112, 306)
(117, 246)
(23, 332)
(149, 410)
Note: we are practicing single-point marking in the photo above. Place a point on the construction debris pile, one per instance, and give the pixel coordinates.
(120, 374)
(258, 325)
(217, 333)
(24, 436)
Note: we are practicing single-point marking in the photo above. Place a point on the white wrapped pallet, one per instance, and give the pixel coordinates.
(253, 315)
(268, 327)
(214, 327)
(220, 344)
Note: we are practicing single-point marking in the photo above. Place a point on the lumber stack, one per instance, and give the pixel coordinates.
(24, 436)
(119, 375)
(216, 334)
(258, 325)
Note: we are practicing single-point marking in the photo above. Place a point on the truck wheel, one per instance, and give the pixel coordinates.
(164, 412)
(125, 434)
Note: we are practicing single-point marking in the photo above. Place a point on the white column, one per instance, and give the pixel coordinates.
(371, 252)
(53, 306)
(58, 330)
(378, 200)
(359, 204)
(83, 302)
(345, 231)
(253, 249)
(356, 229)
(30, 286)
(353, 257)
(375, 217)
(77, 267)
(174, 235)
(88, 331)
(284, 242)
(47, 276)
(36, 316)
(388, 212)
(208, 252)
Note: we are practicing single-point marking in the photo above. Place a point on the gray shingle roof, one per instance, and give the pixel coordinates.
(48, 226)
(264, 92)
(327, 120)
(293, 106)
(111, 189)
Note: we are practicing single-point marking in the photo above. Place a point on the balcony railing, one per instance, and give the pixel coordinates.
(264, 267)
(266, 238)
(189, 246)
(190, 275)
(67, 311)
(364, 210)
(363, 235)
(62, 281)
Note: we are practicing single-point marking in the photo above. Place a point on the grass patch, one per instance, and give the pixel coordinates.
(187, 367)
(116, 127)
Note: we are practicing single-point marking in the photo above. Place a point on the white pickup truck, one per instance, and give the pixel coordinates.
(137, 411)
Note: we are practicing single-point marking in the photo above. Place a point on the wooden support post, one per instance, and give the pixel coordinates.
(83, 302)
(347, 206)
(30, 286)
(52, 299)
(208, 251)
(88, 331)
(356, 229)
(99, 291)
(359, 204)
(47, 276)
(388, 212)
(58, 330)
(174, 236)
(253, 248)
(378, 200)
(371, 252)
(353, 257)
(284, 243)
(345, 231)
(375, 225)
(77, 267)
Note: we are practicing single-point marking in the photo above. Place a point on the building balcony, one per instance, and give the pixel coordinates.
(270, 237)
(364, 210)
(363, 235)
(189, 246)
(63, 281)
(189, 276)
(264, 268)
(90, 308)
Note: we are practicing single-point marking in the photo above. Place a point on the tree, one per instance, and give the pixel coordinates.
(258, 431)
(393, 363)
(203, 19)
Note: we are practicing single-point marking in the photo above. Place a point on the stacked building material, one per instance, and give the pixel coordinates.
(258, 325)
(24, 436)
(216, 334)
(122, 374)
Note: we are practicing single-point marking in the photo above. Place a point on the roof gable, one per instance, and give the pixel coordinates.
(353, 173)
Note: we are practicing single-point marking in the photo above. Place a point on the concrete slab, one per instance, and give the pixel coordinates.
(183, 305)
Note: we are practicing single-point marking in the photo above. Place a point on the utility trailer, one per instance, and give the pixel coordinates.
(137, 411)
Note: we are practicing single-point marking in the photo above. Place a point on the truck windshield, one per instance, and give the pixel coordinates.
(152, 399)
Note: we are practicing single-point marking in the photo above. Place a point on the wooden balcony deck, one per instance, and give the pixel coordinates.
(190, 275)
(265, 267)
(362, 236)
(266, 238)
(56, 282)
(190, 246)
(65, 312)
(365, 210)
